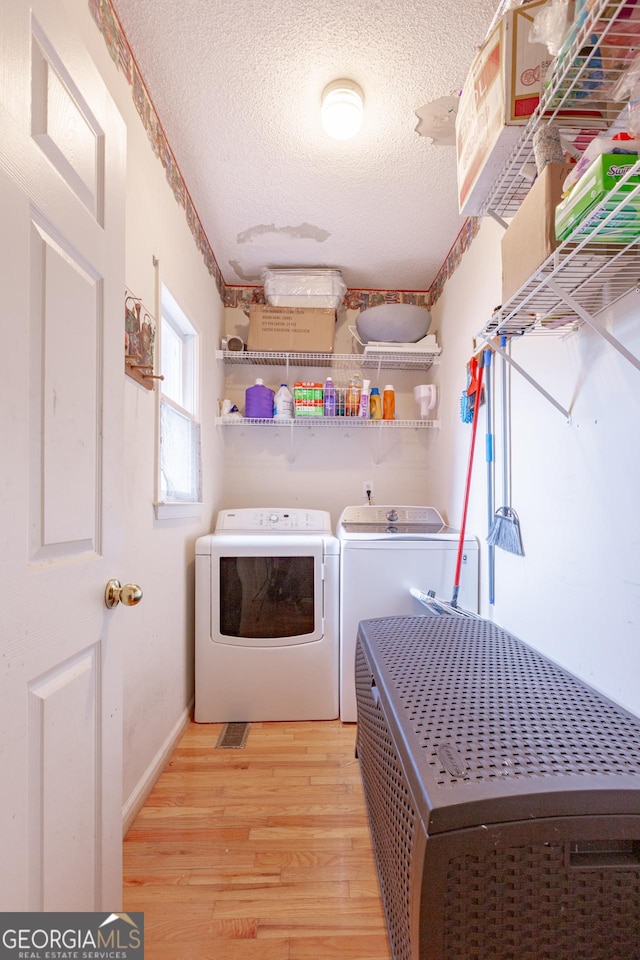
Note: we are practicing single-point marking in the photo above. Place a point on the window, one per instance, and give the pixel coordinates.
(179, 473)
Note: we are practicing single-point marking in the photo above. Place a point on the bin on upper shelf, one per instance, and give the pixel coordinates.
(304, 287)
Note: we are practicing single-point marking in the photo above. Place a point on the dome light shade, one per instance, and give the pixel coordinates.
(342, 109)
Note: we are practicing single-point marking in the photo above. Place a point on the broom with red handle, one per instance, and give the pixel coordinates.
(505, 529)
(474, 430)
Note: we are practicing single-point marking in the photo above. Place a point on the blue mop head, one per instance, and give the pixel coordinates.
(466, 408)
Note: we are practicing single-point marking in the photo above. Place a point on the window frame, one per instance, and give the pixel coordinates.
(174, 316)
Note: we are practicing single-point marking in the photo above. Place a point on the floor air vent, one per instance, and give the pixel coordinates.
(233, 736)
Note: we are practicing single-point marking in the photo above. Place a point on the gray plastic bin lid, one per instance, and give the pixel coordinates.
(489, 730)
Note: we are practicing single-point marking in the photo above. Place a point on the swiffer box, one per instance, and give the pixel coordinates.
(531, 236)
(500, 93)
(291, 329)
(578, 209)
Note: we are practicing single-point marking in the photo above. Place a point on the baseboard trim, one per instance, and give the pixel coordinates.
(147, 781)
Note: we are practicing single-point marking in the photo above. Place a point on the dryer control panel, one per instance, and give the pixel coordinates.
(273, 520)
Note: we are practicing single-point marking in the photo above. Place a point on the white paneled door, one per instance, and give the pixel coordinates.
(62, 167)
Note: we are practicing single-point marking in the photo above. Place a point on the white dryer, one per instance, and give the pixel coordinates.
(384, 552)
(267, 642)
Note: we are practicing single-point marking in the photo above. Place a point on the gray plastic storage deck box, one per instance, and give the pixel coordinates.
(503, 796)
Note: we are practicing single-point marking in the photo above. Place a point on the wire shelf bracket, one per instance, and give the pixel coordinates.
(593, 323)
(527, 376)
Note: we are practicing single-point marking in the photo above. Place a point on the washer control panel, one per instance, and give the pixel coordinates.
(366, 522)
(380, 516)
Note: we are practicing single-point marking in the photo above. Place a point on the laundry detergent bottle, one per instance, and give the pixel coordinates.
(258, 401)
(329, 398)
(283, 404)
(375, 404)
(388, 403)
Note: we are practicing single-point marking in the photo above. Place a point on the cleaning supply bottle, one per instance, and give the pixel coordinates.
(258, 401)
(329, 398)
(364, 400)
(283, 404)
(375, 404)
(388, 403)
(353, 396)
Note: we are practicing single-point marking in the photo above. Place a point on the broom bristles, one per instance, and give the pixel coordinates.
(505, 531)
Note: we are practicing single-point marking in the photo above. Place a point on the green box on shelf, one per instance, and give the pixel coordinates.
(308, 399)
(591, 189)
(622, 228)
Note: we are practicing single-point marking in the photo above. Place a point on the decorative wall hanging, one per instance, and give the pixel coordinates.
(139, 342)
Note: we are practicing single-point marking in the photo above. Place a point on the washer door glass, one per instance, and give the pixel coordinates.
(267, 596)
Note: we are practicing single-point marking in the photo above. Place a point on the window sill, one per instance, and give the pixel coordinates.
(177, 511)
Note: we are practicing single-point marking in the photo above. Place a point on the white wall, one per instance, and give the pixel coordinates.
(324, 467)
(158, 554)
(575, 595)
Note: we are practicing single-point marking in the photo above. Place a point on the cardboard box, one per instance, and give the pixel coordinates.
(501, 92)
(531, 236)
(291, 329)
(591, 190)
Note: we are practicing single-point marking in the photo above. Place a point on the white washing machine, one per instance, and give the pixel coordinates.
(267, 642)
(384, 552)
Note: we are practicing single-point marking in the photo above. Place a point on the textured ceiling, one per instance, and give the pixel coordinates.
(237, 89)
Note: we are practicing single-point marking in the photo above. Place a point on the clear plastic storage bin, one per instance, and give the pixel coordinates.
(304, 287)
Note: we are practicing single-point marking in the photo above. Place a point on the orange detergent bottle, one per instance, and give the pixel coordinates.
(388, 403)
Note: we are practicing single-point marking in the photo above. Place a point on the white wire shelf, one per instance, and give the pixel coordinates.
(397, 360)
(585, 275)
(583, 79)
(356, 423)
(588, 272)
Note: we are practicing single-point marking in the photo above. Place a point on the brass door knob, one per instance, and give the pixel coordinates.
(115, 593)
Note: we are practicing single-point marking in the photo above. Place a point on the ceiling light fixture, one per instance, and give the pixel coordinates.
(342, 109)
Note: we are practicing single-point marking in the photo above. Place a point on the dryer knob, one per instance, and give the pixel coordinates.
(392, 516)
(273, 518)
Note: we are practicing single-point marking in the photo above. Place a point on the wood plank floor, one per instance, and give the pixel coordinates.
(261, 853)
